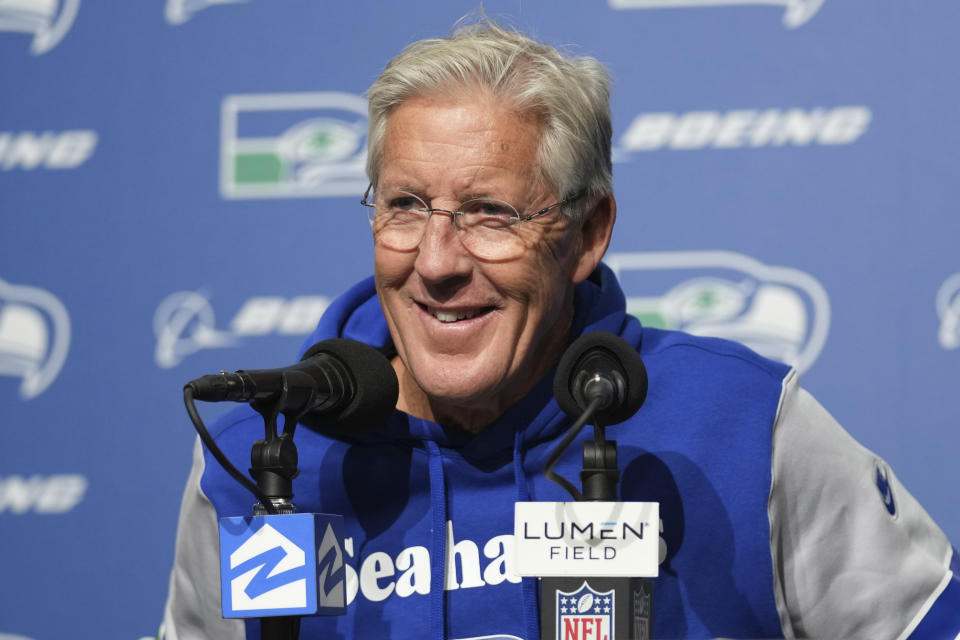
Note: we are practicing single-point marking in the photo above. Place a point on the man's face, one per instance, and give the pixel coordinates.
(473, 336)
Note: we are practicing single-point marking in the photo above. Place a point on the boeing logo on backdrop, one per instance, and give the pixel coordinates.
(184, 323)
(179, 11)
(744, 128)
(50, 150)
(779, 312)
(797, 12)
(34, 337)
(293, 145)
(948, 308)
(47, 20)
(58, 493)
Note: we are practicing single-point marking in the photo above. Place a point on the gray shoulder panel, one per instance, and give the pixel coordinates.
(855, 555)
(193, 602)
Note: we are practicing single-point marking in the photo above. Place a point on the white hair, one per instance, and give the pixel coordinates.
(569, 94)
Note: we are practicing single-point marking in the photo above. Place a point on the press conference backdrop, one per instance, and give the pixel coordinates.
(180, 185)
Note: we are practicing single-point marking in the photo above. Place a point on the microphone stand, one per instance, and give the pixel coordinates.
(273, 463)
(600, 474)
(599, 478)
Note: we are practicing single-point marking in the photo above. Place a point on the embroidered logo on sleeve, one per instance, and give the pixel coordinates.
(885, 488)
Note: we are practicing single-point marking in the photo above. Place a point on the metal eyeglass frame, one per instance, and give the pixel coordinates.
(453, 214)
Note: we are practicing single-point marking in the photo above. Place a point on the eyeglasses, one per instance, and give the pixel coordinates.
(488, 228)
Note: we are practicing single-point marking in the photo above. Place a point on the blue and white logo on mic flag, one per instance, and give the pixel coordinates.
(585, 613)
(288, 564)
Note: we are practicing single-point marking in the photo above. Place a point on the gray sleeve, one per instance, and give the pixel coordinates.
(855, 555)
(193, 602)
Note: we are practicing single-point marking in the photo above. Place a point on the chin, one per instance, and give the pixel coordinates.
(468, 383)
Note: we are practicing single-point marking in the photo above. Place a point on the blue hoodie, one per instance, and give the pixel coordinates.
(429, 510)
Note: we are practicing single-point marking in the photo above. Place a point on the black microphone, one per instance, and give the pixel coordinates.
(337, 381)
(599, 370)
(601, 365)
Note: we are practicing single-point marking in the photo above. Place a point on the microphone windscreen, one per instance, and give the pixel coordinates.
(629, 363)
(375, 382)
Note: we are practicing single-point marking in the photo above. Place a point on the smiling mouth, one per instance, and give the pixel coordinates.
(447, 316)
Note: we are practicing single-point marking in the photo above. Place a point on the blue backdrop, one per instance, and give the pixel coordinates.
(180, 184)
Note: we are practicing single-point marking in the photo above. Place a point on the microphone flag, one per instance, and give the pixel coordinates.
(587, 538)
(616, 544)
(282, 565)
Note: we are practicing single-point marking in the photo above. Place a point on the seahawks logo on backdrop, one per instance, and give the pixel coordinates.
(948, 308)
(797, 12)
(780, 312)
(293, 145)
(48, 20)
(34, 337)
(882, 476)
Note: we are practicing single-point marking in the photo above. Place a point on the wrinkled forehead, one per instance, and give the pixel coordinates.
(458, 141)
(485, 107)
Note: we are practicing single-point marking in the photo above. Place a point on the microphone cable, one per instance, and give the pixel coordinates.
(212, 447)
(561, 447)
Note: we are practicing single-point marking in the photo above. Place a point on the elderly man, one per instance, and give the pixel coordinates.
(491, 207)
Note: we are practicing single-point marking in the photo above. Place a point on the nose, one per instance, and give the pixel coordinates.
(441, 258)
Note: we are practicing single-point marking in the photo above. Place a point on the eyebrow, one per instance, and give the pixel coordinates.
(420, 193)
(404, 187)
(480, 194)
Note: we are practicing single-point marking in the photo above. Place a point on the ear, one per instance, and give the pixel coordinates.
(597, 227)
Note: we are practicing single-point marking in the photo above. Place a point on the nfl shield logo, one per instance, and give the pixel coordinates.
(585, 614)
(642, 612)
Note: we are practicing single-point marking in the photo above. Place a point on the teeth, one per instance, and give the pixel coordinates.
(450, 316)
